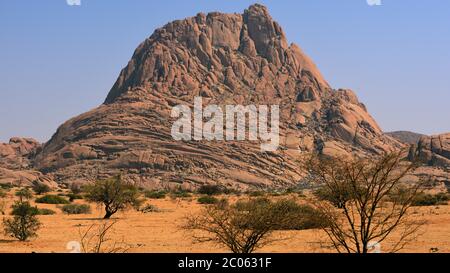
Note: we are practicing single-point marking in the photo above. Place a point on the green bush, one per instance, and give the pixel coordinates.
(24, 194)
(302, 216)
(40, 188)
(180, 193)
(155, 194)
(295, 216)
(207, 200)
(74, 196)
(210, 190)
(76, 209)
(45, 212)
(424, 199)
(256, 193)
(52, 199)
(2, 193)
(24, 224)
(6, 186)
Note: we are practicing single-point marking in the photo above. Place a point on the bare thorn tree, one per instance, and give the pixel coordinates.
(365, 201)
(96, 239)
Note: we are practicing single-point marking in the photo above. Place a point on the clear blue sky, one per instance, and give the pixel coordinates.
(57, 61)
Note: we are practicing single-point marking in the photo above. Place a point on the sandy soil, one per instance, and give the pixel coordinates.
(160, 231)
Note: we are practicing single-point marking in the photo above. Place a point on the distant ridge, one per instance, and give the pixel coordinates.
(406, 137)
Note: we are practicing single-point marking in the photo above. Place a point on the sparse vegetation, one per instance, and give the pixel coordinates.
(207, 200)
(40, 188)
(114, 194)
(2, 193)
(256, 193)
(6, 186)
(97, 239)
(46, 212)
(180, 193)
(24, 194)
(24, 224)
(52, 199)
(74, 196)
(211, 190)
(76, 209)
(242, 227)
(2, 201)
(362, 203)
(424, 199)
(155, 194)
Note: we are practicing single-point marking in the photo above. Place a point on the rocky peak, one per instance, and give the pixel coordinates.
(226, 59)
(204, 51)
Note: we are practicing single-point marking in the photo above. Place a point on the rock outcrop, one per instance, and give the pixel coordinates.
(433, 150)
(17, 153)
(226, 59)
(16, 160)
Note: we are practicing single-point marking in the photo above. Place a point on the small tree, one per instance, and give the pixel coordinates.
(24, 194)
(24, 224)
(40, 188)
(365, 200)
(242, 227)
(114, 194)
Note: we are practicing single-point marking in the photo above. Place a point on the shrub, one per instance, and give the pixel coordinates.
(6, 186)
(424, 199)
(52, 199)
(207, 200)
(40, 188)
(73, 197)
(210, 190)
(256, 193)
(76, 209)
(114, 194)
(155, 194)
(2, 193)
(45, 212)
(24, 194)
(180, 193)
(242, 227)
(24, 224)
(302, 216)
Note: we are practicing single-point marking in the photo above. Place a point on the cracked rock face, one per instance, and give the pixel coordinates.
(16, 153)
(433, 150)
(226, 59)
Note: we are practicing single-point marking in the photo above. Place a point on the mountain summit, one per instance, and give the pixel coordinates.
(226, 59)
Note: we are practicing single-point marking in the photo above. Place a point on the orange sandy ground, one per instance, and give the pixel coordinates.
(160, 232)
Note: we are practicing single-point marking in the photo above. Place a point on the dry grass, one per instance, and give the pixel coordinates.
(160, 231)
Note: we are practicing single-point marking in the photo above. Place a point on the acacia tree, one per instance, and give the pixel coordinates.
(114, 194)
(24, 224)
(365, 200)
